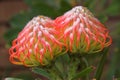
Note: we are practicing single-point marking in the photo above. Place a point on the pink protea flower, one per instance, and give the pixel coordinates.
(82, 32)
(36, 44)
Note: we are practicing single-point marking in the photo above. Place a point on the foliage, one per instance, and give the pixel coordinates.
(64, 68)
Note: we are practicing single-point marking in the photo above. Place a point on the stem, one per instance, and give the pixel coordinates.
(86, 65)
(85, 61)
(101, 64)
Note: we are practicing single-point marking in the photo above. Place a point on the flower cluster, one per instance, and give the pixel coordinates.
(42, 39)
(36, 43)
(82, 32)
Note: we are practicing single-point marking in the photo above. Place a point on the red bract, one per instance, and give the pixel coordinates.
(36, 44)
(82, 32)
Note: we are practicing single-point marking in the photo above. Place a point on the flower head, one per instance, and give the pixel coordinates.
(36, 44)
(82, 32)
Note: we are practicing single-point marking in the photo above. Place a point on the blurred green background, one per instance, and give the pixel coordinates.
(107, 11)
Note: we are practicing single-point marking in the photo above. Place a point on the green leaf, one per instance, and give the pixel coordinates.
(64, 6)
(90, 4)
(114, 68)
(102, 18)
(101, 64)
(32, 3)
(113, 9)
(9, 78)
(41, 72)
(40, 7)
(83, 73)
(20, 20)
(11, 34)
(25, 75)
(38, 79)
(61, 63)
(102, 4)
(73, 66)
(43, 9)
(59, 66)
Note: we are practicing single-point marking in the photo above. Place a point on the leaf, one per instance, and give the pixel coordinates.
(114, 68)
(40, 7)
(32, 3)
(38, 79)
(11, 34)
(118, 78)
(43, 9)
(61, 63)
(59, 66)
(102, 18)
(102, 4)
(41, 72)
(113, 9)
(90, 4)
(73, 66)
(25, 75)
(64, 6)
(20, 20)
(101, 64)
(9, 78)
(82, 73)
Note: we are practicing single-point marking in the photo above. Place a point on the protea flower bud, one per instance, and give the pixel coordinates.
(82, 32)
(36, 44)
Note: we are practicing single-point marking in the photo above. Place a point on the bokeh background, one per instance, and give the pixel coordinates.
(14, 14)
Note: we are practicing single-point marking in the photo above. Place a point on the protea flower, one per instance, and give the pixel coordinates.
(36, 44)
(82, 32)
